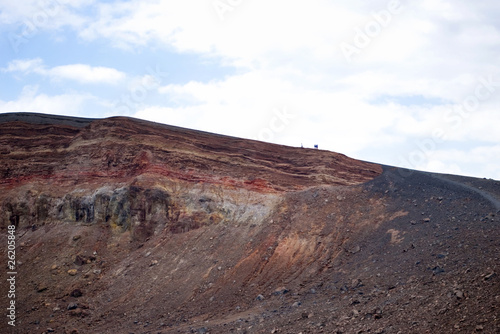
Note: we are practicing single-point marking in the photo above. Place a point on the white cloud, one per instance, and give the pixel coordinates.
(34, 15)
(251, 33)
(87, 74)
(77, 72)
(411, 55)
(24, 65)
(32, 101)
(481, 161)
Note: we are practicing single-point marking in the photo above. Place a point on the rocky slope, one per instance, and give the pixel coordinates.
(127, 226)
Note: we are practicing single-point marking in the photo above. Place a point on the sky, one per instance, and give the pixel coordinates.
(414, 84)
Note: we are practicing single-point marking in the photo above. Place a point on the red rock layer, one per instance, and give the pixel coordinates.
(121, 148)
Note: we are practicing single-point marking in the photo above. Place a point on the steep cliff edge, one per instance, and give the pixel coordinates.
(130, 226)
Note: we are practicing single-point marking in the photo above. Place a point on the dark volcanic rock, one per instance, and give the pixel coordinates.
(72, 306)
(76, 293)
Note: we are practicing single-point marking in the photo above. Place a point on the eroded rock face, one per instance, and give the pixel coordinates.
(142, 177)
(120, 207)
(119, 149)
(130, 226)
(142, 211)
